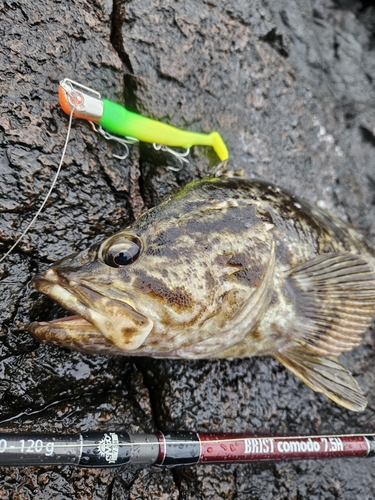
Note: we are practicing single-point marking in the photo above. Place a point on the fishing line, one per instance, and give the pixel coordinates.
(49, 191)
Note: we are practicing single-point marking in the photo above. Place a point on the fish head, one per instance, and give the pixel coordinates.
(173, 279)
(92, 285)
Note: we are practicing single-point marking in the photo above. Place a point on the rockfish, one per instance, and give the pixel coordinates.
(225, 268)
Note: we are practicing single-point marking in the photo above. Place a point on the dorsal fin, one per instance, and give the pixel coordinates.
(334, 296)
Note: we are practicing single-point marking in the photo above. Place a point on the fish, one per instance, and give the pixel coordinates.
(227, 267)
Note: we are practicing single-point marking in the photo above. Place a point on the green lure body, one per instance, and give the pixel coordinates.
(118, 120)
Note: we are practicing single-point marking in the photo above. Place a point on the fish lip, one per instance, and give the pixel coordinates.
(54, 287)
(55, 290)
(127, 333)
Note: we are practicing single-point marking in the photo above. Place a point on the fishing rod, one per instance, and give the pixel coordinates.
(174, 449)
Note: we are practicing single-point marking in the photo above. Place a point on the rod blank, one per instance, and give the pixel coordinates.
(173, 449)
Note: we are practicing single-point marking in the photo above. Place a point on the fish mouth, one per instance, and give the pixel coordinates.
(98, 323)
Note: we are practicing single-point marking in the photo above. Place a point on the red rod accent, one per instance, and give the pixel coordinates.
(162, 448)
(237, 448)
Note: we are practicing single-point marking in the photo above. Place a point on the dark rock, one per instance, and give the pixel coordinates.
(290, 86)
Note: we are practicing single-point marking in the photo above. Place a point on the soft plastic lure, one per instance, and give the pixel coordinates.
(87, 104)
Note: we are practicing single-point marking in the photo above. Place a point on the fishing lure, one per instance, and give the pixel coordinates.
(112, 118)
(79, 101)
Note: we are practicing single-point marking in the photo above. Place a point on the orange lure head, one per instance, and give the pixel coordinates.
(86, 106)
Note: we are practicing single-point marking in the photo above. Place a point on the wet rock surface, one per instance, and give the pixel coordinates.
(290, 86)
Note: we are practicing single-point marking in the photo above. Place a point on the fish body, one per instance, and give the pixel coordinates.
(225, 268)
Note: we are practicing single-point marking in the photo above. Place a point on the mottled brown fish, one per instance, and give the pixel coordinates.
(225, 268)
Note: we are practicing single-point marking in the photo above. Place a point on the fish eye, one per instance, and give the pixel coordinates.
(122, 252)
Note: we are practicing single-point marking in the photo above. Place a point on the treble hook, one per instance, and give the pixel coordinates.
(132, 140)
(180, 156)
(110, 137)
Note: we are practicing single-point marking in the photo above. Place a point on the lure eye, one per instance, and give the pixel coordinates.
(122, 252)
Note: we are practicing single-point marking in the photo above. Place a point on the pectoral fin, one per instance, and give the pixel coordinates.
(334, 297)
(323, 374)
